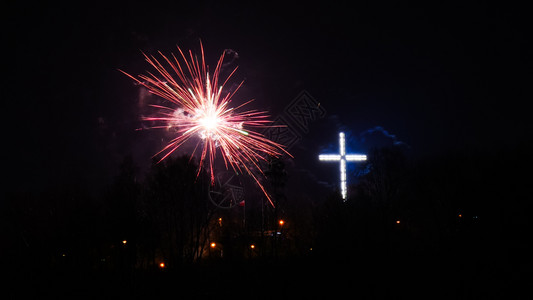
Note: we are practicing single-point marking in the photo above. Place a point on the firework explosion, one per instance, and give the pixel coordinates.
(198, 108)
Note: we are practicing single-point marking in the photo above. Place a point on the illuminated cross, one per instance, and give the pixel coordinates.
(343, 158)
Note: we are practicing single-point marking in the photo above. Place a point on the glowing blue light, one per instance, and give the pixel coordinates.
(342, 157)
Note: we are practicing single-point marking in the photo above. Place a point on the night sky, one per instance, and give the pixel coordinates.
(436, 78)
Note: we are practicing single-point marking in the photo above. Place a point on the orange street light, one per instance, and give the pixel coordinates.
(281, 222)
(213, 245)
(162, 265)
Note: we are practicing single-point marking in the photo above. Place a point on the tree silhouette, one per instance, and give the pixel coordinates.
(122, 201)
(365, 222)
(175, 202)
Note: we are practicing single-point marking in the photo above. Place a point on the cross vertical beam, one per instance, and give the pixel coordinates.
(342, 158)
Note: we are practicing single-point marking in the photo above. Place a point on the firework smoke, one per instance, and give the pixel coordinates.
(198, 108)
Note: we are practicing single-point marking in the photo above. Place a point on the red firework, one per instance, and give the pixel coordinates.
(198, 108)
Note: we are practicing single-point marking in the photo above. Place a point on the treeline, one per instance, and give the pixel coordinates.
(165, 218)
(397, 208)
(424, 205)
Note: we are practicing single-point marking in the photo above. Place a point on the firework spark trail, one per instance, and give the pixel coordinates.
(199, 109)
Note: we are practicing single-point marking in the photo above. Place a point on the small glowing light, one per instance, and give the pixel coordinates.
(397, 221)
(252, 246)
(162, 265)
(124, 242)
(281, 222)
(213, 245)
(460, 215)
(63, 255)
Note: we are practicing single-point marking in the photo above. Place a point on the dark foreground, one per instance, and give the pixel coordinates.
(497, 273)
(448, 229)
